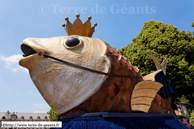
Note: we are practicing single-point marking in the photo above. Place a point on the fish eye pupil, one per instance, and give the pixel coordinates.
(72, 41)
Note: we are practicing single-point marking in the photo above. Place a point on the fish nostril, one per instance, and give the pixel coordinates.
(72, 41)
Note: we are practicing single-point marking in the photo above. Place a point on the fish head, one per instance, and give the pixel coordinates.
(63, 86)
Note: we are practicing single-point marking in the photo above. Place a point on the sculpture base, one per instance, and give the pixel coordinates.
(110, 120)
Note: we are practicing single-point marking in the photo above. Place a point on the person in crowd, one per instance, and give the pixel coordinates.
(186, 122)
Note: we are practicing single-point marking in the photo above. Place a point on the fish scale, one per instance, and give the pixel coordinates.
(115, 93)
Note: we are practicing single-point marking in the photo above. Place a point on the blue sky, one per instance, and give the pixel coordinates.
(119, 21)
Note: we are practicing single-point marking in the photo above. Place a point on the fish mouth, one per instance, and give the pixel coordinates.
(27, 50)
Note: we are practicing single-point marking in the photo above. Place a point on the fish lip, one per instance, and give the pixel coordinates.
(30, 52)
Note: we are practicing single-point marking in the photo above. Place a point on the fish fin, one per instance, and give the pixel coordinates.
(151, 76)
(156, 62)
(163, 65)
(143, 94)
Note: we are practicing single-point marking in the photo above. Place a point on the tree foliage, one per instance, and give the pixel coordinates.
(184, 100)
(192, 117)
(53, 116)
(165, 41)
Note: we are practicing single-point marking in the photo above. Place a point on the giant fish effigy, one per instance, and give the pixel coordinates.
(87, 81)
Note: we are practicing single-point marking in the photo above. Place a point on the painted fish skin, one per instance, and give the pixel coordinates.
(109, 94)
(62, 86)
(115, 93)
(160, 105)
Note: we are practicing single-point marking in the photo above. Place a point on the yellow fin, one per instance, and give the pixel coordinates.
(163, 65)
(143, 94)
(151, 76)
(157, 63)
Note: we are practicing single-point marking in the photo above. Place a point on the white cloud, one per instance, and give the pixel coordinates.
(13, 58)
(11, 62)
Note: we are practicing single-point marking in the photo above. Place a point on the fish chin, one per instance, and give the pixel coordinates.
(65, 87)
(27, 61)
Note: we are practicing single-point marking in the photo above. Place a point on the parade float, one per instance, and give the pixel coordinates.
(92, 85)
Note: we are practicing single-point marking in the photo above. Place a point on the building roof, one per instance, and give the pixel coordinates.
(26, 116)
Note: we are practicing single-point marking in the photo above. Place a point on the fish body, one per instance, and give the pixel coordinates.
(69, 90)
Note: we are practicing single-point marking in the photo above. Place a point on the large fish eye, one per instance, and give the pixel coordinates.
(72, 42)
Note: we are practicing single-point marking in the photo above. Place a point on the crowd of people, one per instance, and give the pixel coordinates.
(186, 122)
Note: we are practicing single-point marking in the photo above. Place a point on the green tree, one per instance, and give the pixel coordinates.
(192, 118)
(165, 41)
(53, 116)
